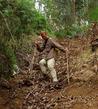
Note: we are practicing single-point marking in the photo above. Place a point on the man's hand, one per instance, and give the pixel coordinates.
(36, 44)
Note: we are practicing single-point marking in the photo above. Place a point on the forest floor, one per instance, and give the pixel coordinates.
(80, 93)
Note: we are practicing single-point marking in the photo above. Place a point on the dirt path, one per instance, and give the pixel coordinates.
(82, 93)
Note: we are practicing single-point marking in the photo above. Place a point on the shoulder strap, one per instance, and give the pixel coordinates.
(45, 43)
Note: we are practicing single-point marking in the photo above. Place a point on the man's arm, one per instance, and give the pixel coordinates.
(57, 45)
(38, 47)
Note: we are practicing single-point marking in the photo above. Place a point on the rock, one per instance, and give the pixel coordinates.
(25, 82)
(5, 84)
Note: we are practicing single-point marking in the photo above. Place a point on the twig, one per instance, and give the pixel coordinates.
(67, 56)
(32, 61)
(67, 67)
(28, 95)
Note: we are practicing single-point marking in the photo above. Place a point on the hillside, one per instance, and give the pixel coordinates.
(32, 91)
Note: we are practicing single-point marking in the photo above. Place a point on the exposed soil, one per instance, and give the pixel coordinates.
(33, 91)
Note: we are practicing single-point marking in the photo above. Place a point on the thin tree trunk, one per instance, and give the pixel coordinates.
(74, 9)
(7, 26)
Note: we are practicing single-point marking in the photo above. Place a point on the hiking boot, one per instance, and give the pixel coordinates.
(5, 84)
(55, 85)
(25, 83)
(44, 77)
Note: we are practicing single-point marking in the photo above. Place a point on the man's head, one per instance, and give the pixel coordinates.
(44, 35)
(39, 40)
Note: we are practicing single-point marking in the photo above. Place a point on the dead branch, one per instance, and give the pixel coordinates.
(32, 60)
(67, 56)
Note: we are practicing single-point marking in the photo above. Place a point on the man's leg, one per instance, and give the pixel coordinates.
(42, 64)
(51, 65)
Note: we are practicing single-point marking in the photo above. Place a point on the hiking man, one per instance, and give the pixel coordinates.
(46, 54)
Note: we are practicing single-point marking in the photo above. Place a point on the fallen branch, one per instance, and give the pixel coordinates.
(28, 95)
(67, 56)
(32, 61)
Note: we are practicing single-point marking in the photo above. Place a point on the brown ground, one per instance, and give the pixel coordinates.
(81, 93)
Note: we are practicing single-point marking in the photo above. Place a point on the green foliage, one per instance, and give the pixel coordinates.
(65, 12)
(11, 60)
(39, 22)
(72, 31)
(77, 30)
(93, 15)
(60, 33)
(18, 19)
(22, 18)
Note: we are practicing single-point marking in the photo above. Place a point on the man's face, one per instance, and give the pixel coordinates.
(44, 36)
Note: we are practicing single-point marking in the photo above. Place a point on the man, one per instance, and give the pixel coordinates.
(46, 51)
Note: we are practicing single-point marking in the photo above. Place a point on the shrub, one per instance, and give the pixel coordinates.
(10, 60)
